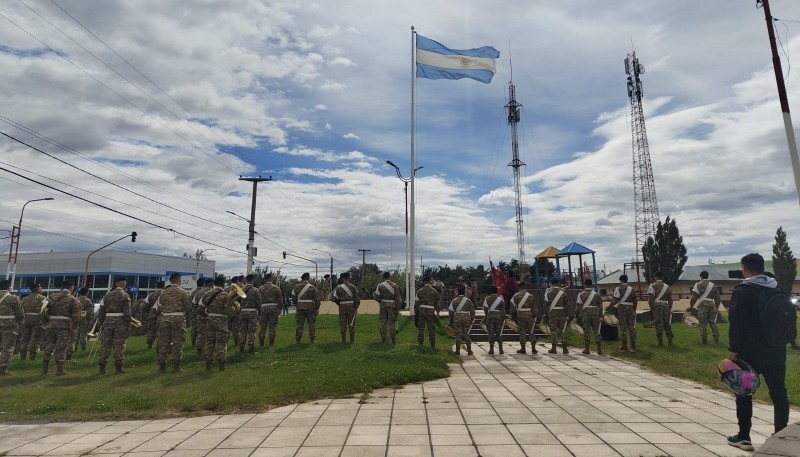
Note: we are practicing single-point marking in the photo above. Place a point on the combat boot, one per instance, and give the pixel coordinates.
(271, 341)
(352, 337)
(4, 371)
(45, 367)
(704, 340)
(33, 355)
(669, 341)
(469, 348)
(433, 344)
(222, 366)
(119, 368)
(633, 345)
(150, 345)
(795, 346)
(241, 349)
(252, 348)
(533, 348)
(553, 349)
(599, 348)
(83, 347)
(500, 347)
(564, 348)
(586, 348)
(176, 367)
(69, 357)
(344, 338)
(458, 348)
(522, 350)
(23, 355)
(60, 369)
(162, 367)
(208, 365)
(261, 342)
(102, 368)
(491, 349)
(624, 346)
(660, 341)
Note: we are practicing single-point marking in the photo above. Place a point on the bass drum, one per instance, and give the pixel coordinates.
(690, 320)
(576, 327)
(610, 317)
(647, 319)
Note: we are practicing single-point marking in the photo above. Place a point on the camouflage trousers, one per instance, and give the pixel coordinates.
(462, 325)
(347, 320)
(31, 332)
(193, 320)
(662, 315)
(426, 318)
(151, 322)
(268, 318)
(56, 340)
(388, 316)
(200, 342)
(216, 344)
(8, 337)
(558, 324)
(248, 323)
(627, 324)
(73, 339)
(171, 335)
(590, 322)
(83, 329)
(525, 322)
(233, 326)
(494, 325)
(115, 333)
(707, 314)
(300, 318)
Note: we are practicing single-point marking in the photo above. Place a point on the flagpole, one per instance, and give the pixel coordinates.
(412, 231)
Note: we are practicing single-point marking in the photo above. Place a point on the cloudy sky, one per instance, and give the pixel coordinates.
(167, 103)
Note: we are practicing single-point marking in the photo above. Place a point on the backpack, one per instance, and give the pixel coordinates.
(777, 317)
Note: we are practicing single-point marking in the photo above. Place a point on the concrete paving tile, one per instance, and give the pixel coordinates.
(546, 450)
(686, 450)
(384, 420)
(194, 423)
(367, 440)
(283, 441)
(325, 440)
(294, 431)
(408, 451)
(72, 448)
(161, 425)
(126, 443)
(592, 450)
(322, 451)
(245, 438)
(330, 430)
(455, 451)
(508, 450)
(409, 430)
(145, 454)
(621, 438)
(275, 452)
(409, 440)
(206, 439)
(638, 450)
(97, 438)
(241, 452)
(358, 451)
(33, 449)
(61, 438)
(646, 427)
(369, 430)
(231, 421)
(186, 453)
(165, 441)
(449, 429)
(725, 450)
(663, 438)
(451, 440)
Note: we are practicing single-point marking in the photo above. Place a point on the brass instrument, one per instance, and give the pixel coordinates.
(136, 323)
(236, 293)
(91, 333)
(44, 311)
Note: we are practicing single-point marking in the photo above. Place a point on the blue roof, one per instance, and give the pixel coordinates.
(574, 249)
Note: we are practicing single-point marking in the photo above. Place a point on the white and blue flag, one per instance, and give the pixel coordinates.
(436, 61)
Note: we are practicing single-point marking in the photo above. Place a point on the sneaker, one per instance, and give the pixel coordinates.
(742, 443)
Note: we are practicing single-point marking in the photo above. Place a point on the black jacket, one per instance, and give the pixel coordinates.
(744, 333)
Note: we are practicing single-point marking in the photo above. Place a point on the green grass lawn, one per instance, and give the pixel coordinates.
(689, 359)
(283, 374)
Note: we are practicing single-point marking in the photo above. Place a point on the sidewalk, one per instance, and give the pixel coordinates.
(509, 405)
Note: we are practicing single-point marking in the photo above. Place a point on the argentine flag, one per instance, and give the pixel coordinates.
(435, 61)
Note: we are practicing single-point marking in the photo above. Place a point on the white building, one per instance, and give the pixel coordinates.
(143, 270)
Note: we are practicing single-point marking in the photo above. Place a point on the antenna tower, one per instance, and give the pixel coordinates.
(644, 188)
(513, 108)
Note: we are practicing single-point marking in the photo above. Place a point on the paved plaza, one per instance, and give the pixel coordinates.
(503, 405)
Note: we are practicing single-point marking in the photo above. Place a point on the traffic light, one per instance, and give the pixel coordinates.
(133, 237)
(284, 254)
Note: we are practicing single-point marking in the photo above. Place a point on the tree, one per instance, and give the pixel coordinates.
(784, 265)
(665, 252)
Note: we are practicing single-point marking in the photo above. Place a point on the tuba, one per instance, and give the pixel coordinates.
(236, 293)
(44, 311)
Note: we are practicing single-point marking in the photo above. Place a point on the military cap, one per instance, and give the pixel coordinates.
(36, 286)
(208, 281)
(174, 276)
(119, 279)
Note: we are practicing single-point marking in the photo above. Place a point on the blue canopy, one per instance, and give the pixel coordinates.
(574, 249)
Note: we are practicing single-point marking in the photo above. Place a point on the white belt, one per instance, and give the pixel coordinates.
(249, 310)
(217, 315)
(500, 311)
(172, 314)
(115, 314)
(7, 317)
(426, 306)
(709, 300)
(60, 318)
(346, 302)
(624, 303)
(462, 312)
(557, 307)
(662, 302)
(387, 301)
(268, 304)
(305, 301)
(31, 314)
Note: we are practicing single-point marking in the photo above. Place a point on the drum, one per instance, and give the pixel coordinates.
(647, 318)
(690, 320)
(544, 328)
(483, 327)
(610, 317)
(451, 332)
(511, 325)
(576, 327)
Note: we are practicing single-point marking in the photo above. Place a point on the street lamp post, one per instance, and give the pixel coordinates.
(86, 267)
(405, 180)
(197, 257)
(251, 250)
(329, 255)
(14, 247)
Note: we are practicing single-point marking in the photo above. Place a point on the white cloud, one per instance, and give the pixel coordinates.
(351, 136)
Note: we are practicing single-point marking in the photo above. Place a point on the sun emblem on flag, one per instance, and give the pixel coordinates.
(464, 62)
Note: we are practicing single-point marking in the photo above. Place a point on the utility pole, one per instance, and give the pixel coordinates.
(251, 250)
(787, 116)
(513, 109)
(645, 204)
(363, 261)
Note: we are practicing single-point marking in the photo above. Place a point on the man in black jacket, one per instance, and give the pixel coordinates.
(747, 343)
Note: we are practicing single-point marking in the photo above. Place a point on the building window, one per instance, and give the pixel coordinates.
(100, 282)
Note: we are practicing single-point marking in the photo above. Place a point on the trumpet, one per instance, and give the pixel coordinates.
(91, 333)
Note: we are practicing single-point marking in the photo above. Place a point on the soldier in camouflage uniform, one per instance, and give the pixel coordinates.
(271, 303)
(217, 307)
(62, 311)
(202, 320)
(248, 317)
(87, 316)
(11, 316)
(590, 307)
(623, 299)
(149, 317)
(705, 294)
(388, 296)
(494, 310)
(32, 328)
(234, 321)
(559, 314)
(193, 312)
(426, 310)
(170, 310)
(326, 288)
(660, 299)
(346, 297)
(463, 311)
(306, 301)
(114, 320)
(522, 304)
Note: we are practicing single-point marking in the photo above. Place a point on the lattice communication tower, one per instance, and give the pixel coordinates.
(513, 110)
(644, 187)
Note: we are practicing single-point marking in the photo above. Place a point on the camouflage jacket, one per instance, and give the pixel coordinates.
(173, 299)
(216, 301)
(63, 310)
(659, 293)
(388, 294)
(620, 292)
(461, 305)
(32, 304)
(87, 308)
(306, 300)
(428, 296)
(584, 303)
(11, 313)
(700, 289)
(270, 293)
(116, 301)
(523, 303)
(252, 299)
